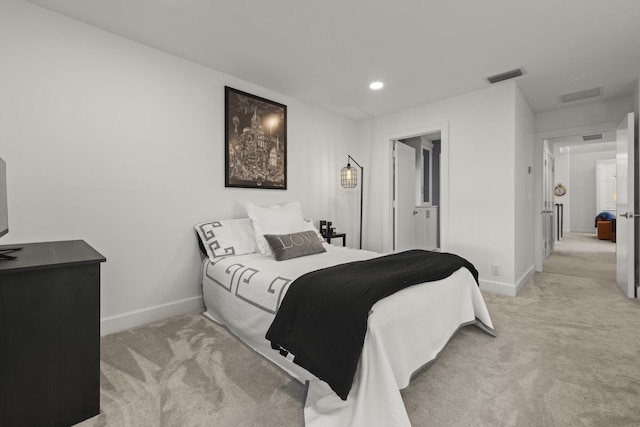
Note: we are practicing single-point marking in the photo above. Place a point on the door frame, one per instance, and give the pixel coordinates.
(387, 189)
(549, 233)
(626, 188)
(538, 171)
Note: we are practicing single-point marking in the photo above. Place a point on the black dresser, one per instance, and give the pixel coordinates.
(50, 334)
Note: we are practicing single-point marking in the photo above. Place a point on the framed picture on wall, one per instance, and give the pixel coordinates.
(255, 141)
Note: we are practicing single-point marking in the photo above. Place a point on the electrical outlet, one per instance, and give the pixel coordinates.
(495, 269)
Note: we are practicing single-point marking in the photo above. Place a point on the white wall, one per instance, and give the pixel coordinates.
(581, 189)
(523, 191)
(481, 176)
(121, 145)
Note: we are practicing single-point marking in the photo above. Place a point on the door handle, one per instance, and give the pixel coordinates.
(628, 215)
(415, 212)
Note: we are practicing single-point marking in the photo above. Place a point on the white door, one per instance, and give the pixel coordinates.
(404, 196)
(426, 232)
(548, 206)
(625, 200)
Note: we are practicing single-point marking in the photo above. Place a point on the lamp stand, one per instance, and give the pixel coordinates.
(361, 194)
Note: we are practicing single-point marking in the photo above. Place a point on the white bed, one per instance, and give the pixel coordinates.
(405, 331)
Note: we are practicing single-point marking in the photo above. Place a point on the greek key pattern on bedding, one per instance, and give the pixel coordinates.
(263, 290)
(207, 231)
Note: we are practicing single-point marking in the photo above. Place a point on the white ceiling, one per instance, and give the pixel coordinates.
(327, 52)
(577, 145)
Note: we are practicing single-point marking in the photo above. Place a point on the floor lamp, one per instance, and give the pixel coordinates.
(349, 179)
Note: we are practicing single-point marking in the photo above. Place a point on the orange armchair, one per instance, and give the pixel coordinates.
(604, 230)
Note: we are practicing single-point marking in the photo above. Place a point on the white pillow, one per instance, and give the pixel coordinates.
(310, 226)
(227, 237)
(277, 219)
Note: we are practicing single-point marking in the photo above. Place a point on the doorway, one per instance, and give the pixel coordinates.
(583, 159)
(585, 170)
(562, 144)
(417, 192)
(428, 197)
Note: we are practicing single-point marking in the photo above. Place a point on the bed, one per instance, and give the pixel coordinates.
(243, 290)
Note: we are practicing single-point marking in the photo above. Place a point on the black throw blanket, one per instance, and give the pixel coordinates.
(322, 320)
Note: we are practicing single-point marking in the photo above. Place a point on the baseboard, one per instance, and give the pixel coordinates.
(507, 288)
(498, 287)
(109, 325)
(582, 230)
(524, 279)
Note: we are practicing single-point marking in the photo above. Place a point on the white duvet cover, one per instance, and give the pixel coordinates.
(405, 331)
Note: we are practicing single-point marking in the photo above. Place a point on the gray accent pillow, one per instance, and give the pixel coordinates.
(287, 246)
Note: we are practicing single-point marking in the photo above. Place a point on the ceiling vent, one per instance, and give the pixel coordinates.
(505, 76)
(593, 137)
(584, 94)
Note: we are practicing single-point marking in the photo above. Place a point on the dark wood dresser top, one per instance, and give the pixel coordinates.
(40, 255)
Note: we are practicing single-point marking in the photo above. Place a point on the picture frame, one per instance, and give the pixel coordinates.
(255, 141)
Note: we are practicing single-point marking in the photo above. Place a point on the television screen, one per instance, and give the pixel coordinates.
(4, 210)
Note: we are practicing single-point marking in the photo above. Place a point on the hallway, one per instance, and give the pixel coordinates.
(565, 353)
(583, 255)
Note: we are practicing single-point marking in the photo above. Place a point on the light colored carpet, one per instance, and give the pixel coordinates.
(567, 353)
(189, 371)
(583, 255)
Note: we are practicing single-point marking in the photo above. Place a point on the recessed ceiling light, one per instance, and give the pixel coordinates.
(376, 85)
